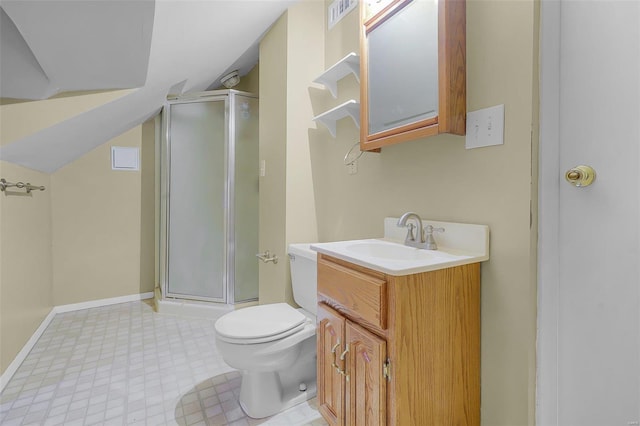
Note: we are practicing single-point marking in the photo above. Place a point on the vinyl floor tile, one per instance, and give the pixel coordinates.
(127, 365)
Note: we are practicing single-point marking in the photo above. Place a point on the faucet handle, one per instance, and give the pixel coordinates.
(430, 229)
(410, 237)
(430, 242)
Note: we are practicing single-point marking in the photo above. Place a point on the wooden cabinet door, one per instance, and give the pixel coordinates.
(365, 399)
(331, 344)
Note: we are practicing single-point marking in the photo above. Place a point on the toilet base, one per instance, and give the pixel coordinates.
(269, 403)
(263, 394)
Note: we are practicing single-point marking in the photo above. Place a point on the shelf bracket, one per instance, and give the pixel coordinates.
(350, 108)
(342, 68)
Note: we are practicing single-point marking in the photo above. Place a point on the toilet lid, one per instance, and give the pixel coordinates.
(258, 322)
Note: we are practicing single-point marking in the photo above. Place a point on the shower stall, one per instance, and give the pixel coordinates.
(209, 198)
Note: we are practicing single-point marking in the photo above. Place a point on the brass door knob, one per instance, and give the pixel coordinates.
(580, 176)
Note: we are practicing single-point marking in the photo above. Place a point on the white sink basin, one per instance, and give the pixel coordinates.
(392, 251)
(460, 244)
(394, 258)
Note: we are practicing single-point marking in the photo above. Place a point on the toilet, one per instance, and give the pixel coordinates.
(274, 345)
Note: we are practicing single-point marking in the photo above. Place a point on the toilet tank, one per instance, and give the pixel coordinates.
(304, 276)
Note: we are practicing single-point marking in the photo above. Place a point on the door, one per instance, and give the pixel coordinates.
(330, 346)
(365, 400)
(589, 280)
(196, 218)
(244, 202)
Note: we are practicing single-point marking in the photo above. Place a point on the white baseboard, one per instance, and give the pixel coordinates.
(22, 355)
(13, 367)
(194, 309)
(102, 302)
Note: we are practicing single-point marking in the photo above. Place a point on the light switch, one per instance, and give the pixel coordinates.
(485, 127)
(125, 158)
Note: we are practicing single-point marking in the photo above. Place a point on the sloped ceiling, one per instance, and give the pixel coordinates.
(158, 47)
(78, 45)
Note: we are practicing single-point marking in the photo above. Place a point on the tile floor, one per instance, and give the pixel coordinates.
(127, 365)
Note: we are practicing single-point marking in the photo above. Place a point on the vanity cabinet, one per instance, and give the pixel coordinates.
(398, 350)
(412, 70)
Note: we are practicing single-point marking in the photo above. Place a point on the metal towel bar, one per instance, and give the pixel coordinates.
(267, 257)
(21, 185)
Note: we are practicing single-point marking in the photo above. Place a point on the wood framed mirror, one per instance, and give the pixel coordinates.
(412, 70)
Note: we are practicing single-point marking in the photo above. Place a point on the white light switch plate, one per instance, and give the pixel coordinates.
(485, 127)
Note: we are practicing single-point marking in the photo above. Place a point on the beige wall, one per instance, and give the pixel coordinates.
(273, 128)
(287, 133)
(148, 211)
(251, 81)
(97, 218)
(25, 260)
(25, 118)
(305, 34)
(439, 179)
(89, 235)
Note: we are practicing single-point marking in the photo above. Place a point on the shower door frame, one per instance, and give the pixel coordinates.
(228, 273)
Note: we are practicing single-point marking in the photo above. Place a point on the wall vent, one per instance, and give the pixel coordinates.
(339, 9)
(125, 158)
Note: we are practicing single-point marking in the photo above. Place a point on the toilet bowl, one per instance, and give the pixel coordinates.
(274, 345)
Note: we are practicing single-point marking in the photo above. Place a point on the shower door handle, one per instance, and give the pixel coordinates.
(266, 257)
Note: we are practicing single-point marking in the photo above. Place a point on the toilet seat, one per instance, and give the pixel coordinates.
(260, 324)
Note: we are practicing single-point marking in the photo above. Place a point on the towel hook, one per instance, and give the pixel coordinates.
(346, 160)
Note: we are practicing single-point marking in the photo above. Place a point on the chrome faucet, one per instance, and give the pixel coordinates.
(424, 238)
(410, 239)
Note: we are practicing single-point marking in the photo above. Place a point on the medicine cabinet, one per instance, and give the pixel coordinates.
(412, 70)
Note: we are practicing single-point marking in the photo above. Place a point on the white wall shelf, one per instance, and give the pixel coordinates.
(351, 108)
(342, 68)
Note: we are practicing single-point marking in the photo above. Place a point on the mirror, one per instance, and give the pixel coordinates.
(412, 72)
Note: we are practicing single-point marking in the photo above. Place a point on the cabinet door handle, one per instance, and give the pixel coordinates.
(343, 357)
(344, 354)
(335, 354)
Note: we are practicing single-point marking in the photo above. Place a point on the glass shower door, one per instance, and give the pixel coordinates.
(197, 199)
(245, 204)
